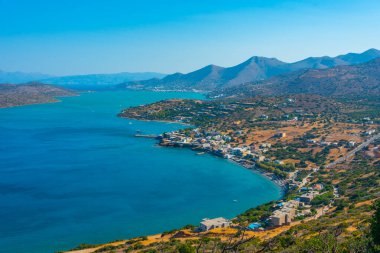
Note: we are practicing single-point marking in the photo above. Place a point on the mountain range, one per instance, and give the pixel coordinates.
(99, 81)
(360, 80)
(212, 77)
(20, 77)
(77, 81)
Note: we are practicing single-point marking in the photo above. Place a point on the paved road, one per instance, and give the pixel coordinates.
(342, 159)
(354, 151)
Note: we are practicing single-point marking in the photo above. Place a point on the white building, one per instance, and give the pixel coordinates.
(208, 224)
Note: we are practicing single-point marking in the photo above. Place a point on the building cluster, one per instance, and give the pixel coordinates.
(285, 214)
(217, 144)
(288, 211)
(308, 196)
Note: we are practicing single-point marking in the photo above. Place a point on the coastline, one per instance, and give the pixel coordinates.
(170, 90)
(254, 169)
(161, 121)
(280, 183)
(54, 100)
(41, 103)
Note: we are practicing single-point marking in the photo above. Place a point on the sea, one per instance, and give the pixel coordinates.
(73, 172)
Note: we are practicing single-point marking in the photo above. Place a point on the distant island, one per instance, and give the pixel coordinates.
(99, 81)
(32, 93)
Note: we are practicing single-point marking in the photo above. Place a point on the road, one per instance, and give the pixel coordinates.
(342, 159)
(354, 151)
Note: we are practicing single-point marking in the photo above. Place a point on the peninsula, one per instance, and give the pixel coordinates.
(31, 93)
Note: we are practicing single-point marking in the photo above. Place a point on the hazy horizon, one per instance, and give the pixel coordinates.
(143, 72)
(91, 37)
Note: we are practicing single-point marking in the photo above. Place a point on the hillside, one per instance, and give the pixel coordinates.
(348, 81)
(214, 77)
(33, 93)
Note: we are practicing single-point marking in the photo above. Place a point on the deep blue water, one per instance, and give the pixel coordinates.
(72, 172)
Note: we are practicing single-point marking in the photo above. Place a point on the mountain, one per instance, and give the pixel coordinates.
(32, 93)
(99, 80)
(349, 81)
(213, 77)
(20, 77)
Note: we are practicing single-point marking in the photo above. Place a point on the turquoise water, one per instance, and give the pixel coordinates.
(72, 173)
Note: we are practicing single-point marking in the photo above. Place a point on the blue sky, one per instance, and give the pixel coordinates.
(65, 37)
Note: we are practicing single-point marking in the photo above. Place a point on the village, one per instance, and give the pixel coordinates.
(298, 180)
(263, 155)
(295, 142)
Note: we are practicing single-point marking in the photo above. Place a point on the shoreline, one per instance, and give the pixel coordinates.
(170, 90)
(262, 173)
(43, 103)
(56, 100)
(160, 121)
(254, 169)
(279, 182)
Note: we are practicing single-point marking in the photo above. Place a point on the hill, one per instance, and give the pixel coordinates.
(348, 81)
(214, 77)
(32, 93)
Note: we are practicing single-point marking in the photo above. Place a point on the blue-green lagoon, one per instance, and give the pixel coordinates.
(73, 172)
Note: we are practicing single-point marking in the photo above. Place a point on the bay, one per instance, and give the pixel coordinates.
(72, 172)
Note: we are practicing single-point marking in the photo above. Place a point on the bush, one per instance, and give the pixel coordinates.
(185, 248)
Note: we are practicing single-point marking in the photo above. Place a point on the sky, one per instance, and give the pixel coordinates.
(69, 37)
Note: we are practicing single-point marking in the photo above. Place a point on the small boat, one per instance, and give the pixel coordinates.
(235, 200)
(200, 153)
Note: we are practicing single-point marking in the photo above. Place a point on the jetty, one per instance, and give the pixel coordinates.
(151, 136)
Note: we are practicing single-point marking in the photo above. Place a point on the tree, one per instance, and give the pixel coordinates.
(375, 225)
(185, 248)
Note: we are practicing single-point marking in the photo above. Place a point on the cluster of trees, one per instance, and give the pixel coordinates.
(323, 199)
(269, 167)
(256, 214)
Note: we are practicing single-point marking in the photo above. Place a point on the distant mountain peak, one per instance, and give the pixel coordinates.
(254, 69)
(262, 59)
(372, 51)
(356, 80)
(213, 67)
